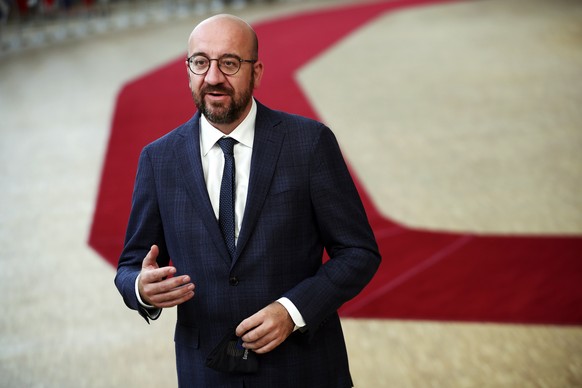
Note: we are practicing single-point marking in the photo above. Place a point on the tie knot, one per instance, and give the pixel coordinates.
(227, 145)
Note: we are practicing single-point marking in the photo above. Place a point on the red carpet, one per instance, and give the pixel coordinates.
(425, 274)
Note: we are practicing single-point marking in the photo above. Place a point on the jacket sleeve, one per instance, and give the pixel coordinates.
(347, 237)
(144, 229)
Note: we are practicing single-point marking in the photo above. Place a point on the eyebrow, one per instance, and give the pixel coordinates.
(223, 55)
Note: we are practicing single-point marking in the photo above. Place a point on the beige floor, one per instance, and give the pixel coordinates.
(481, 130)
(473, 110)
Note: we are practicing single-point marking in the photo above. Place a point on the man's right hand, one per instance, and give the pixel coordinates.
(157, 287)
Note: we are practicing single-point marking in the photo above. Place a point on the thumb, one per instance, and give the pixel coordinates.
(150, 259)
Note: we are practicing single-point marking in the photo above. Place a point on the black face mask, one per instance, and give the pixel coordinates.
(230, 357)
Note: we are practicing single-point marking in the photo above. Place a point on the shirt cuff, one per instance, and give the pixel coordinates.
(152, 311)
(293, 312)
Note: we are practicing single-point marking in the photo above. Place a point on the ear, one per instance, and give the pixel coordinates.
(258, 70)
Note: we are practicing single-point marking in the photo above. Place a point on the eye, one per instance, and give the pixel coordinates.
(200, 62)
(229, 63)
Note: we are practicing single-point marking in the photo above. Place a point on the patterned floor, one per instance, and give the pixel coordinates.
(64, 325)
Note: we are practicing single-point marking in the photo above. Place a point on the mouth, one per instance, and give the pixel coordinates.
(216, 92)
(216, 96)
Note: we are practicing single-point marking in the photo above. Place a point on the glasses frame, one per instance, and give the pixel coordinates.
(231, 56)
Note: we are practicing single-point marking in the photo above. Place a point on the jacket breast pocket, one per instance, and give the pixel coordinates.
(286, 196)
(288, 191)
(187, 336)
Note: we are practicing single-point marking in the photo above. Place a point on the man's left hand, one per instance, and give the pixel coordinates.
(266, 329)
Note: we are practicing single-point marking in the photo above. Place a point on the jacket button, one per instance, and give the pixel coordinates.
(233, 281)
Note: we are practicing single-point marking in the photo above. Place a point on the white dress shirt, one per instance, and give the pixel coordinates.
(213, 165)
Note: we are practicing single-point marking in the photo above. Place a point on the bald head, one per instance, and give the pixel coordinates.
(227, 28)
(221, 94)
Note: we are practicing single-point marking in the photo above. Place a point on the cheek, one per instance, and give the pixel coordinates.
(242, 85)
(189, 76)
(190, 81)
(194, 83)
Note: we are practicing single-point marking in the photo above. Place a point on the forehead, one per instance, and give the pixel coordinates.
(219, 37)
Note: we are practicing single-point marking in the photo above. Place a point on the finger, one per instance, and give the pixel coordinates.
(176, 302)
(156, 275)
(257, 334)
(169, 291)
(161, 286)
(150, 259)
(268, 347)
(264, 321)
(174, 297)
(264, 334)
(260, 341)
(150, 277)
(153, 285)
(272, 325)
(248, 324)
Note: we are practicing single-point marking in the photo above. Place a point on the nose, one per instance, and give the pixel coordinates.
(214, 75)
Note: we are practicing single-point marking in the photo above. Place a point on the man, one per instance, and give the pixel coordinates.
(245, 228)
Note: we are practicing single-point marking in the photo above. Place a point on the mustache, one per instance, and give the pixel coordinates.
(216, 89)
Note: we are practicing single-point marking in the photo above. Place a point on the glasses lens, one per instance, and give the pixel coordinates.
(229, 65)
(199, 64)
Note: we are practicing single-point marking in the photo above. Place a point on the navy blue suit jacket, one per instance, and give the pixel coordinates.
(301, 200)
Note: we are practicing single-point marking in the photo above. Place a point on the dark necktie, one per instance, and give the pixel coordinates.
(227, 194)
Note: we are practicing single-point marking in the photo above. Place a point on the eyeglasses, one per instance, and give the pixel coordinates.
(229, 64)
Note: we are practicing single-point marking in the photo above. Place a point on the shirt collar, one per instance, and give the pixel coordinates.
(244, 133)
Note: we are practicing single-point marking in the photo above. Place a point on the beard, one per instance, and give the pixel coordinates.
(226, 113)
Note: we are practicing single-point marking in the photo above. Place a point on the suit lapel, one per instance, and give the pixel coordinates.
(266, 149)
(187, 152)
